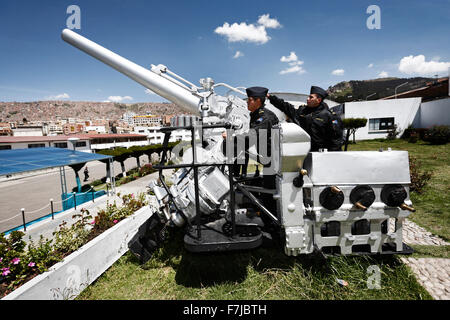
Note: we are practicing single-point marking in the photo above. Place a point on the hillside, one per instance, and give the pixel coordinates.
(355, 90)
(50, 110)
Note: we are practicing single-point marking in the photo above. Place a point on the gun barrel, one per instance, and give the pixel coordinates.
(161, 86)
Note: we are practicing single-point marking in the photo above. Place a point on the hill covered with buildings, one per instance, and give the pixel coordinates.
(54, 110)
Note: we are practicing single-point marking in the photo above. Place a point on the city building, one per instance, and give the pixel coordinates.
(86, 142)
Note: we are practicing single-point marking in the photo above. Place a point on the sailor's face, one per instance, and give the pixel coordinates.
(253, 103)
(313, 100)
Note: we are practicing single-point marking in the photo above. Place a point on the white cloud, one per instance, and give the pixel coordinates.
(370, 65)
(243, 32)
(295, 64)
(118, 98)
(417, 65)
(338, 72)
(383, 74)
(238, 54)
(294, 69)
(59, 97)
(291, 58)
(268, 22)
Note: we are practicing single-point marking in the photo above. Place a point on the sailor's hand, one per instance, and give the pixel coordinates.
(224, 134)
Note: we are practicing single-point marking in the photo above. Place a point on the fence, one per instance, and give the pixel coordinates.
(69, 200)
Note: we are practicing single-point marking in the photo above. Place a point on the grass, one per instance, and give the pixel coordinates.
(262, 274)
(431, 251)
(433, 205)
(268, 274)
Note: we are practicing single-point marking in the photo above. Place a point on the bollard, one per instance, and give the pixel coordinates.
(51, 206)
(93, 195)
(75, 200)
(23, 218)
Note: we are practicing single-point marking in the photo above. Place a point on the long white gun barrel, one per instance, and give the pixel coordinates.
(158, 84)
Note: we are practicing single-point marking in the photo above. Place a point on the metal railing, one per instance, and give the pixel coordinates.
(51, 204)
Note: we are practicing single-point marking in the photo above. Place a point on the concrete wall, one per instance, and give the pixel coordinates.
(432, 113)
(403, 111)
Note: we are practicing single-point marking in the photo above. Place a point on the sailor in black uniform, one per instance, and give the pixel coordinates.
(324, 126)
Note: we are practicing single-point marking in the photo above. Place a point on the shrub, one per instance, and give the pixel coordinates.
(438, 135)
(146, 169)
(69, 239)
(18, 265)
(97, 182)
(413, 137)
(392, 133)
(419, 179)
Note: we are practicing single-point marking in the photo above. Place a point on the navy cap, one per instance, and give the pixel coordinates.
(318, 90)
(257, 92)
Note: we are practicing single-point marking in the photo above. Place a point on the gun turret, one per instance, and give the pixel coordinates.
(151, 80)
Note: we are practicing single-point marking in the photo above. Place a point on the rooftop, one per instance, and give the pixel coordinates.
(22, 160)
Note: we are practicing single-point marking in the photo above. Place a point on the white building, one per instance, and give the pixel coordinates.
(23, 131)
(381, 115)
(147, 120)
(128, 117)
(419, 108)
(98, 129)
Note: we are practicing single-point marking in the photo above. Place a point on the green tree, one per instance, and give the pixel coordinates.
(351, 125)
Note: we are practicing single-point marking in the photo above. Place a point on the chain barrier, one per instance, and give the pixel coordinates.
(47, 205)
(28, 212)
(10, 218)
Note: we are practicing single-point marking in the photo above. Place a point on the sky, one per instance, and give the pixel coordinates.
(286, 46)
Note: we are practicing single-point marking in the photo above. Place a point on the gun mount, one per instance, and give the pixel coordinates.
(334, 202)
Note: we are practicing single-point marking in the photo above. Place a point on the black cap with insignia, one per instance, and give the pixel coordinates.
(257, 92)
(318, 90)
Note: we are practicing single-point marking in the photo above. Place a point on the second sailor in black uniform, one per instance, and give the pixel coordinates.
(324, 126)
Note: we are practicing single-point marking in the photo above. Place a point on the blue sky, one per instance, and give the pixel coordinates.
(322, 42)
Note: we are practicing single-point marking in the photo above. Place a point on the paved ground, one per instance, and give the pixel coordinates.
(33, 191)
(432, 273)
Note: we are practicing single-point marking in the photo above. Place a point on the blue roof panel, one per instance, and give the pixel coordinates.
(22, 160)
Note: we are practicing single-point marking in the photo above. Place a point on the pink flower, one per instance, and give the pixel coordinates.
(15, 261)
(31, 264)
(115, 221)
(6, 271)
(1, 259)
(93, 222)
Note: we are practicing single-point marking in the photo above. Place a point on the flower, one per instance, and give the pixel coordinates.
(115, 221)
(31, 264)
(1, 259)
(6, 271)
(15, 261)
(93, 222)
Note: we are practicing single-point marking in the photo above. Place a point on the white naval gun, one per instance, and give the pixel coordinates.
(331, 202)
